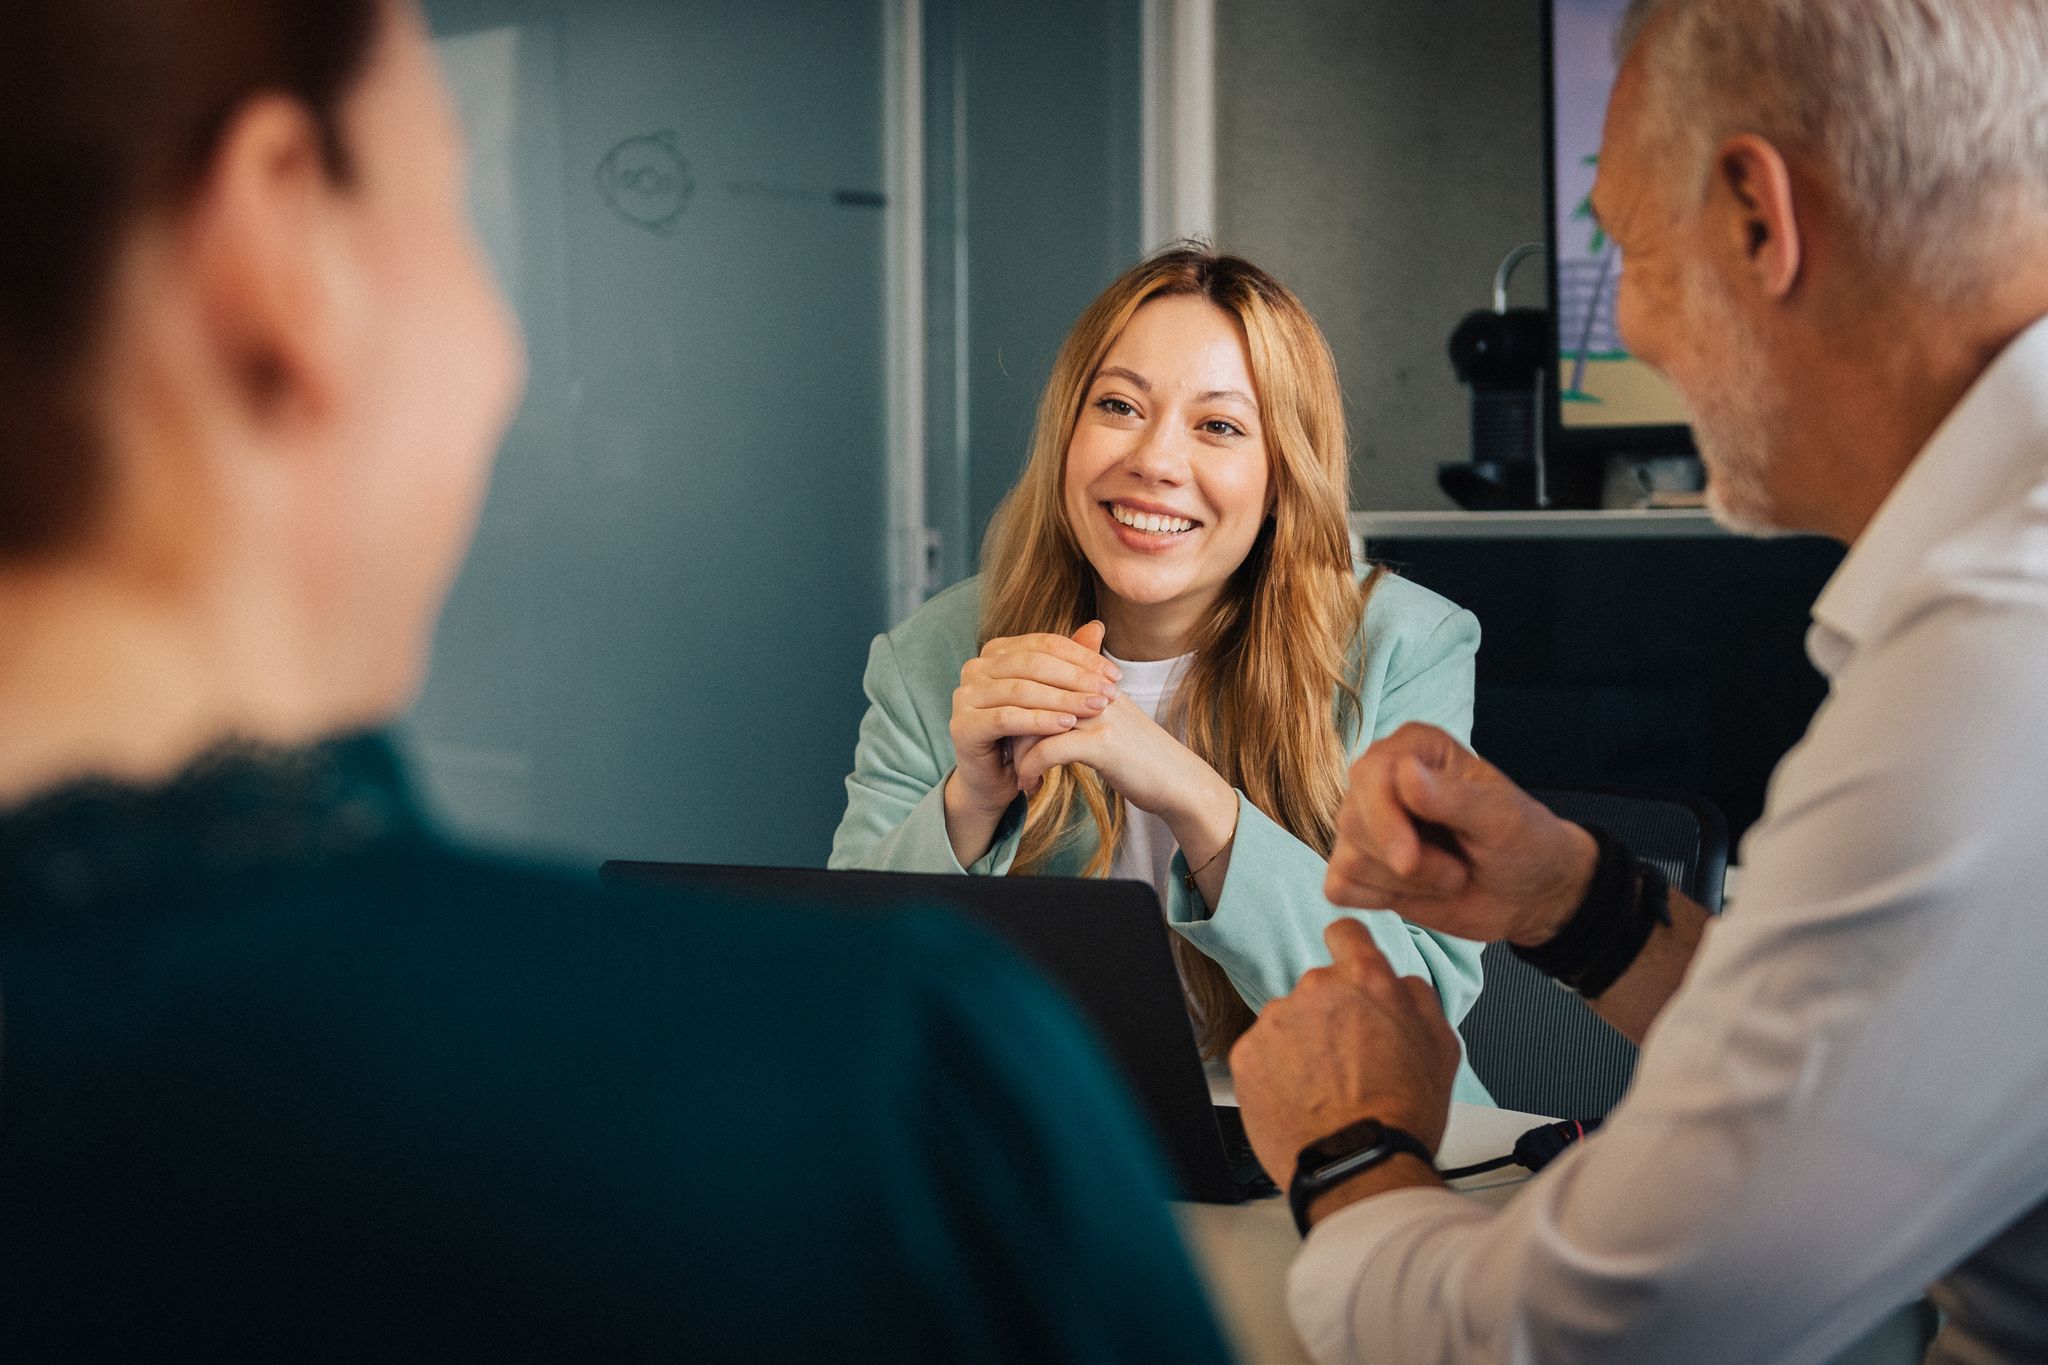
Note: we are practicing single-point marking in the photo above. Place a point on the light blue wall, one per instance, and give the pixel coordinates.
(1033, 136)
(655, 649)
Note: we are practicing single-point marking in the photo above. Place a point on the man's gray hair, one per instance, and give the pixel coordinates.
(1929, 116)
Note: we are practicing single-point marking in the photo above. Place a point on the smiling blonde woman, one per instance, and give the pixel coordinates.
(1170, 659)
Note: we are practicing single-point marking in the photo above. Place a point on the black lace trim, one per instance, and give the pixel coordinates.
(239, 807)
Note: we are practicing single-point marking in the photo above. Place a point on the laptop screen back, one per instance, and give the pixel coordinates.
(1103, 942)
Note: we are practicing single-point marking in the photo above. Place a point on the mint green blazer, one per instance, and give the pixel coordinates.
(1267, 927)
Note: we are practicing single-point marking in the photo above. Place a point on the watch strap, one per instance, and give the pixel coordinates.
(1625, 901)
(1348, 1152)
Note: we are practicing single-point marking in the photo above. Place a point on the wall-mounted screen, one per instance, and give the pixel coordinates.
(1602, 390)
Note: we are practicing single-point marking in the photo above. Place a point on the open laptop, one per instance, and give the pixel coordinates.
(1103, 941)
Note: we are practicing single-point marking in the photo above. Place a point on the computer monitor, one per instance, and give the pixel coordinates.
(1603, 399)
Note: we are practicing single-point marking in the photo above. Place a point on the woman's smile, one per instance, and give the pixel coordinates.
(1149, 532)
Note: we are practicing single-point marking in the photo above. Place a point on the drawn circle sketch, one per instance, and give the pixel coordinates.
(647, 182)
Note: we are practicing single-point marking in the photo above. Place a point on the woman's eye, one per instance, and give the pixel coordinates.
(1216, 426)
(1116, 407)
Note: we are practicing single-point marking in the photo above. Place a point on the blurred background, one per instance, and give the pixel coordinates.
(793, 273)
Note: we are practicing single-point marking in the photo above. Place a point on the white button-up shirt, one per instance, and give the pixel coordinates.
(1847, 1100)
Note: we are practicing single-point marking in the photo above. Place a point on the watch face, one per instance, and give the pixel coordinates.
(1362, 1136)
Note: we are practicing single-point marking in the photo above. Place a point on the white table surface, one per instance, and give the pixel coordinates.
(1242, 1251)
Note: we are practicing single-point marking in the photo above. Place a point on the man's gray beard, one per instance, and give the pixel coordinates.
(1735, 498)
(1733, 425)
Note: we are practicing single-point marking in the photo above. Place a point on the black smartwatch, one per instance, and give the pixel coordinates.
(1323, 1166)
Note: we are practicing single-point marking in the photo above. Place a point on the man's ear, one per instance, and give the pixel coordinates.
(1754, 186)
(272, 264)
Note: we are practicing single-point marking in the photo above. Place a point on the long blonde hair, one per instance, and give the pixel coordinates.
(1271, 693)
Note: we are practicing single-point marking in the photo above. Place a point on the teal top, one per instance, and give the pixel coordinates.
(1414, 663)
(285, 1075)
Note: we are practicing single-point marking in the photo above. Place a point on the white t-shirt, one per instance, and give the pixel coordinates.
(1146, 853)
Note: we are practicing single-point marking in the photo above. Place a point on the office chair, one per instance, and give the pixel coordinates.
(1539, 1048)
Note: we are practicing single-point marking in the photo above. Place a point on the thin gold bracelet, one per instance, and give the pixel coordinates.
(1189, 880)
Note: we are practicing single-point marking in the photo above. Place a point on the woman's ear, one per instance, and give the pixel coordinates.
(270, 254)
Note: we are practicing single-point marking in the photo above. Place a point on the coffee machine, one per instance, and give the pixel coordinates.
(1502, 355)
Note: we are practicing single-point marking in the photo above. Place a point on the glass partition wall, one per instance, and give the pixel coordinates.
(791, 274)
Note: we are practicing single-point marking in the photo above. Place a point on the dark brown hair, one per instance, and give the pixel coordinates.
(109, 110)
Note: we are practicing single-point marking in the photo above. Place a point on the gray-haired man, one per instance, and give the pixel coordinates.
(1836, 220)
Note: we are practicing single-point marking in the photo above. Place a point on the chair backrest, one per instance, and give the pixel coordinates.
(1539, 1048)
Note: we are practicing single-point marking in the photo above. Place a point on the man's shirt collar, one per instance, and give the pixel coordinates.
(1975, 461)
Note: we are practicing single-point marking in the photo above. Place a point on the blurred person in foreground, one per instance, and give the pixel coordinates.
(288, 1075)
(1835, 214)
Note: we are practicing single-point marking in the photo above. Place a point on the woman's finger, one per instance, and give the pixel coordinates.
(1056, 646)
(1033, 666)
(981, 731)
(1037, 696)
(1012, 721)
(1046, 755)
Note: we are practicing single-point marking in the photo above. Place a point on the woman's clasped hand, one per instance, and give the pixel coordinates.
(1017, 691)
(1029, 703)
